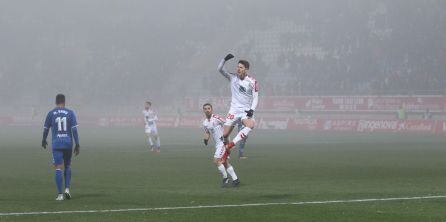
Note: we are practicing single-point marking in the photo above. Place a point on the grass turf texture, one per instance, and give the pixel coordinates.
(115, 170)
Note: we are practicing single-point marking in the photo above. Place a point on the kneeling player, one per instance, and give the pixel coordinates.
(213, 125)
(150, 127)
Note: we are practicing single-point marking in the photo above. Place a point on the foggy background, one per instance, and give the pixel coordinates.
(109, 56)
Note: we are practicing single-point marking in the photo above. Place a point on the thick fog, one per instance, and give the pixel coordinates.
(108, 54)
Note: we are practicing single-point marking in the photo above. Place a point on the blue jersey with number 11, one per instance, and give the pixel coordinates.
(61, 121)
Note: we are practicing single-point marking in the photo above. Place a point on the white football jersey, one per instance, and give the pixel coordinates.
(214, 126)
(244, 92)
(149, 117)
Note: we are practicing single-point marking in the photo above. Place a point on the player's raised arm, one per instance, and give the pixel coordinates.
(221, 68)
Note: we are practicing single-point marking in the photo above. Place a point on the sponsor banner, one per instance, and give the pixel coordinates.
(333, 125)
(218, 103)
(340, 125)
(164, 121)
(273, 123)
(334, 103)
(305, 124)
(444, 127)
(263, 123)
(440, 127)
(191, 122)
(421, 126)
(377, 125)
(168, 121)
(125, 121)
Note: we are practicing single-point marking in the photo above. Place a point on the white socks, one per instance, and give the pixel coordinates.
(242, 134)
(222, 170)
(232, 173)
(149, 141)
(158, 143)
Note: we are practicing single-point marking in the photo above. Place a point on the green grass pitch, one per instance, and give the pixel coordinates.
(115, 170)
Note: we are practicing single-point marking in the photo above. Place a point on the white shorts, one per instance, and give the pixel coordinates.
(151, 129)
(235, 116)
(219, 150)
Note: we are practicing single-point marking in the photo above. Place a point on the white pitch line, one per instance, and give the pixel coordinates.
(225, 206)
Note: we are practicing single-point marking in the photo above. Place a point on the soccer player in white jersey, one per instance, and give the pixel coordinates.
(245, 94)
(151, 130)
(213, 126)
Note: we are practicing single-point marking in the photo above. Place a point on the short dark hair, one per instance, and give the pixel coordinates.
(207, 104)
(148, 102)
(245, 63)
(60, 99)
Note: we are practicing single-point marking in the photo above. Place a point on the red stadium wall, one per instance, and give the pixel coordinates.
(367, 123)
(332, 103)
(264, 123)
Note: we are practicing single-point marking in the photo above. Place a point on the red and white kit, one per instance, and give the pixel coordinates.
(245, 94)
(214, 126)
(150, 119)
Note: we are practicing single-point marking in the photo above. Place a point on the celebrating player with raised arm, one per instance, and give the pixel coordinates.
(63, 124)
(151, 130)
(213, 125)
(245, 94)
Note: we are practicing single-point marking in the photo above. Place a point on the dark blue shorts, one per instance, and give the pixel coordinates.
(62, 156)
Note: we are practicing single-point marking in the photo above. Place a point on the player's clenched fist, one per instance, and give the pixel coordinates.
(249, 113)
(228, 57)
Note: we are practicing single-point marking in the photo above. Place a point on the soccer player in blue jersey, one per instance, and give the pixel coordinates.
(63, 124)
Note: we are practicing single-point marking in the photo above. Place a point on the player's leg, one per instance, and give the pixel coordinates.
(67, 172)
(58, 164)
(249, 125)
(242, 143)
(227, 129)
(149, 139)
(231, 172)
(229, 126)
(222, 169)
(241, 148)
(157, 138)
(219, 162)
